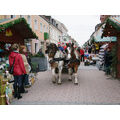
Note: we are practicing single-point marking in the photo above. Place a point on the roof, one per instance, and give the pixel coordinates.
(20, 25)
(115, 21)
(112, 26)
(98, 35)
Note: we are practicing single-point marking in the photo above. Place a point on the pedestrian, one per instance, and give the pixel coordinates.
(18, 71)
(89, 49)
(82, 55)
(96, 48)
(61, 48)
(25, 82)
(93, 48)
(108, 61)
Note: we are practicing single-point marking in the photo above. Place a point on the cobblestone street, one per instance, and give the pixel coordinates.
(93, 88)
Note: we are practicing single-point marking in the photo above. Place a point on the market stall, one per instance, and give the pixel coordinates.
(11, 31)
(112, 29)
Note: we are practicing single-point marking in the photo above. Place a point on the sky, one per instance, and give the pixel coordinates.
(80, 27)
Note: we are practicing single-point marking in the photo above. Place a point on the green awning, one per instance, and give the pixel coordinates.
(46, 36)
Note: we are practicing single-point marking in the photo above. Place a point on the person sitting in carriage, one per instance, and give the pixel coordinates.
(61, 47)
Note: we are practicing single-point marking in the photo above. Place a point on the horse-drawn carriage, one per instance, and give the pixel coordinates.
(63, 62)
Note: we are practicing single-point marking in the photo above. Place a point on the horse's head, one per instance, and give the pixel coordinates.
(51, 50)
(69, 51)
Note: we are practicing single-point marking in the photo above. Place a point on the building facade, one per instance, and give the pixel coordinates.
(55, 30)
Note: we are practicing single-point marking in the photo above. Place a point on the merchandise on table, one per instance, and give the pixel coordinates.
(100, 63)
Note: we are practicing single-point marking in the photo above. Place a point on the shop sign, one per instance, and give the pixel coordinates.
(8, 33)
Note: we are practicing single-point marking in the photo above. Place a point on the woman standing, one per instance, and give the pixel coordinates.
(18, 71)
(26, 64)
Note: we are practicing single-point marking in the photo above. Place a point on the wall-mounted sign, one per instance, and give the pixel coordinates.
(8, 33)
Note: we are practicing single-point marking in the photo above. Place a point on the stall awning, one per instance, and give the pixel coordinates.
(15, 30)
(99, 32)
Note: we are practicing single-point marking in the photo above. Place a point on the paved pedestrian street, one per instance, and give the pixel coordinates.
(94, 88)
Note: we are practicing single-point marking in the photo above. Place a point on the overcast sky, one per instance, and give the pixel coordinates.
(80, 27)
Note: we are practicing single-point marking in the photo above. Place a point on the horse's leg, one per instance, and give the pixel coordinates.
(70, 74)
(54, 75)
(75, 74)
(60, 72)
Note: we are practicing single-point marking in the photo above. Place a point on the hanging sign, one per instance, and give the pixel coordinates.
(8, 33)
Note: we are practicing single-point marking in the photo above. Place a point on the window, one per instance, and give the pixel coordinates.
(35, 25)
(21, 16)
(36, 47)
(42, 45)
(47, 29)
(13, 16)
(40, 27)
(29, 20)
(29, 47)
(44, 28)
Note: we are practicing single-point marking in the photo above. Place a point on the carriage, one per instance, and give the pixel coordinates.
(63, 62)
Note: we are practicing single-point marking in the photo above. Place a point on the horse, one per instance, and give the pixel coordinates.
(74, 62)
(57, 60)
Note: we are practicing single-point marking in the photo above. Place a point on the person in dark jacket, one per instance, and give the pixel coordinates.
(18, 71)
(108, 61)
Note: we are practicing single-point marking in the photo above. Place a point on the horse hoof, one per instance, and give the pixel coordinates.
(75, 83)
(53, 82)
(59, 83)
(69, 79)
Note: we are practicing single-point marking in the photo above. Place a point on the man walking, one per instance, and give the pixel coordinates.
(82, 55)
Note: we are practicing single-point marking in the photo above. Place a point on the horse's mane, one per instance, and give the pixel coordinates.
(73, 56)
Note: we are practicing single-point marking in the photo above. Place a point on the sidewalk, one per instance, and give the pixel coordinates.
(94, 88)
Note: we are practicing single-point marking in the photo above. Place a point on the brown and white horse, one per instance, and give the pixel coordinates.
(57, 61)
(74, 62)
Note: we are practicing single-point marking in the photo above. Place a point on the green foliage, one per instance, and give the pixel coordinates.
(34, 66)
(39, 54)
